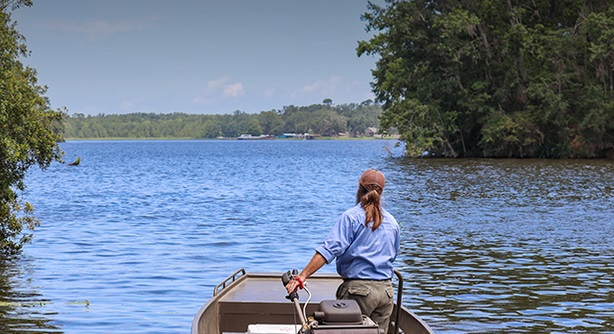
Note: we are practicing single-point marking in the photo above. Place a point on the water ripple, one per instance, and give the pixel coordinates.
(136, 237)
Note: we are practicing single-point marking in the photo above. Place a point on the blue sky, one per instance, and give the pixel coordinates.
(209, 57)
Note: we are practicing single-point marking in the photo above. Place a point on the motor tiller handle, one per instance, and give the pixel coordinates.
(293, 296)
(286, 278)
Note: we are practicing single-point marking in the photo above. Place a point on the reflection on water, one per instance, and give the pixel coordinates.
(509, 245)
(21, 306)
(136, 237)
(515, 287)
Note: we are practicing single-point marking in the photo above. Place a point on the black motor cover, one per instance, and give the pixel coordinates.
(341, 311)
(342, 316)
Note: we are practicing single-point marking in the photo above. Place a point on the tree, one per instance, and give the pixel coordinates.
(495, 78)
(329, 123)
(317, 118)
(29, 132)
(271, 121)
(254, 127)
(211, 129)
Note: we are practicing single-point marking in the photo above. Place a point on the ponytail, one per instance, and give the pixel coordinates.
(369, 198)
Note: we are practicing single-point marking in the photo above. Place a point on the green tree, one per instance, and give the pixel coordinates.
(329, 123)
(296, 119)
(254, 127)
(211, 129)
(272, 123)
(315, 118)
(360, 116)
(29, 131)
(495, 78)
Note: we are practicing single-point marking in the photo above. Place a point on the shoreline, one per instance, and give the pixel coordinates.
(228, 138)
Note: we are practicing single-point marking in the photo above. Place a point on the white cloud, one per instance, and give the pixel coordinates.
(223, 84)
(219, 88)
(319, 87)
(233, 90)
(215, 84)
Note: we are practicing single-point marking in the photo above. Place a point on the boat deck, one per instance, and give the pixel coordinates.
(261, 288)
(260, 299)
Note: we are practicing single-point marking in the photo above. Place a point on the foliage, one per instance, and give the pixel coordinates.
(324, 119)
(29, 131)
(496, 78)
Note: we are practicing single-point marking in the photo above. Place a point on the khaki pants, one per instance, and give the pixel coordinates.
(375, 299)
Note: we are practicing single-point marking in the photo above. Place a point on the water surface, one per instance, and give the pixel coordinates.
(135, 238)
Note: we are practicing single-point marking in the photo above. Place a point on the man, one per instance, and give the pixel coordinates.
(364, 242)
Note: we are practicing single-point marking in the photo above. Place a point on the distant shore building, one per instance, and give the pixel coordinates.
(250, 137)
(370, 132)
(303, 136)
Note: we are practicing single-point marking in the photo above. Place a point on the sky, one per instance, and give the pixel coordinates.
(196, 57)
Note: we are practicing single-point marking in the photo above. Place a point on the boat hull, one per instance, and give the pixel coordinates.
(246, 299)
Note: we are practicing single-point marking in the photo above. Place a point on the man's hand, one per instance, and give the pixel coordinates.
(317, 261)
(294, 284)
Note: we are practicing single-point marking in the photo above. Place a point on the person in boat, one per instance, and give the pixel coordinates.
(364, 242)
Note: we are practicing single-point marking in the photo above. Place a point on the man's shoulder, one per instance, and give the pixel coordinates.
(354, 213)
(389, 217)
(355, 208)
(387, 213)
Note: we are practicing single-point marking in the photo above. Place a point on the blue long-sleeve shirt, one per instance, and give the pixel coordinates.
(362, 253)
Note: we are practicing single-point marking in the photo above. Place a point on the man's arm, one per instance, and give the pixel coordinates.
(316, 262)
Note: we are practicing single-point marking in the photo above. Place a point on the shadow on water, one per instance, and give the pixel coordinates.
(521, 246)
(22, 310)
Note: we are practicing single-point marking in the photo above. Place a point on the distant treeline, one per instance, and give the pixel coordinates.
(324, 119)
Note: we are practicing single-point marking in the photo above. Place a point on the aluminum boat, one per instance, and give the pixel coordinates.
(258, 303)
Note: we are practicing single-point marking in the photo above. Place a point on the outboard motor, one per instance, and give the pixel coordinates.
(341, 316)
(344, 312)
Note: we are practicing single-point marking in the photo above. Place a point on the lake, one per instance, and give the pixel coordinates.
(134, 239)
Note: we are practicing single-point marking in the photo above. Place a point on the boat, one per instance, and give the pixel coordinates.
(250, 137)
(258, 303)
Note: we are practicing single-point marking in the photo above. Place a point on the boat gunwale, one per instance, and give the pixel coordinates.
(219, 295)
